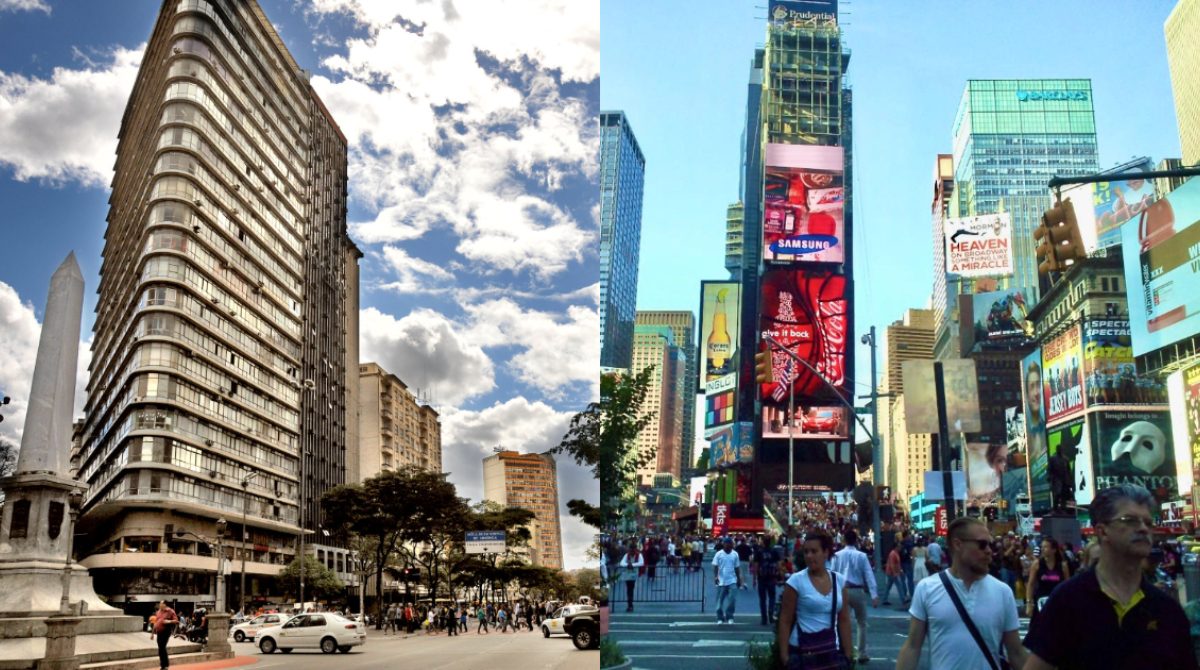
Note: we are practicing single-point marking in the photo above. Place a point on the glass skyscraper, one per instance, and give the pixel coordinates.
(1010, 137)
(622, 175)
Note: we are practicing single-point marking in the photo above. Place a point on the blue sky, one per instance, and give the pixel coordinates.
(680, 76)
(472, 193)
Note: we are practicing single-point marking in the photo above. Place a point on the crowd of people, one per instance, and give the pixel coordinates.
(822, 575)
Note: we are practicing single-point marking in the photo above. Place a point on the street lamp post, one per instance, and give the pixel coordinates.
(74, 500)
(220, 598)
(245, 513)
(308, 385)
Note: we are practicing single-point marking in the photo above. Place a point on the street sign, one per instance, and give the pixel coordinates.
(940, 520)
(485, 542)
(935, 489)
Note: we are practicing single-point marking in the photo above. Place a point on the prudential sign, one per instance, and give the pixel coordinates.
(1024, 96)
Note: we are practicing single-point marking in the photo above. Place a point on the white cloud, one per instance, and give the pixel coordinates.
(65, 128)
(24, 5)
(558, 350)
(19, 335)
(414, 275)
(427, 351)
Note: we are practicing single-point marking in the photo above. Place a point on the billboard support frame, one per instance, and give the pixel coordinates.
(939, 391)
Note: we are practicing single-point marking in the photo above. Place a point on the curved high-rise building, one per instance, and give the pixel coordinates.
(227, 316)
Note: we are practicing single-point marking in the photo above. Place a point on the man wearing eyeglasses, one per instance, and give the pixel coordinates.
(1111, 616)
(986, 601)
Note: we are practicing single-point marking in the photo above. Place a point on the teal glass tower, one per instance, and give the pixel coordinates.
(622, 175)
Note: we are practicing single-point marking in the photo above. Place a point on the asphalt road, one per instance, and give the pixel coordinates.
(497, 651)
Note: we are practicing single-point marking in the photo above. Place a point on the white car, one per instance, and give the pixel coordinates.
(325, 631)
(554, 625)
(249, 629)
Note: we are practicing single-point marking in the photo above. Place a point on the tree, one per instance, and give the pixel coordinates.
(319, 580)
(585, 581)
(604, 438)
(702, 462)
(8, 462)
(436, 519)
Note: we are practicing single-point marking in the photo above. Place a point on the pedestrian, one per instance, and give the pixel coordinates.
(1128, 622)
(855, 567)
(920, 560)
(964, 636)
(765, 566)
(165, 622)
(814, 617)
(462, 617)
(390, 620)
(653, 555)
(518, 614)
(1045, 575)
(450, 621)
(744, 553)
(936, 555)
(895, 576)
(431, 621)
(726, 577)
(1010, 561)
(907, 545)
(686, 551)
(631, 562)
(483, 624)
(410, 618)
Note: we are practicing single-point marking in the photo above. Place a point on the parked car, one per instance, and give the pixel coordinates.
(325, 631)
(554, 624)
(584, 627)
(248, 630)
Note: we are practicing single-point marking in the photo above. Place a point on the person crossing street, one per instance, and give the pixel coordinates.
(725, 574)
(860, 584)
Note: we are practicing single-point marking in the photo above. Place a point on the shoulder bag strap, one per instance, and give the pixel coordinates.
(962, 612)
(834, 592)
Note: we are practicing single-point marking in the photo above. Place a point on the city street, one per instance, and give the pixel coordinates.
(677, 636)
(524, 651)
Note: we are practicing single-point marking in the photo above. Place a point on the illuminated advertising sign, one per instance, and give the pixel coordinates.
(1070, 441)
(697, 485)
(1135, 447)
(985, 465)
(1184, 391)
(1035, 432)
(802, 14)
(979, 246)
(1062, 376)
(1101, 208)
(720, 324)
(732, 445)
(804, 204)
(1000, 315)
(1109, 373)
(1014, 433)
(810, 423)
(720, 518)
(806, 313)
(1162, 267)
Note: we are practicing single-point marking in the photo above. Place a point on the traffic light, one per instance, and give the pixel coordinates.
(1059, 242)
(762, 367)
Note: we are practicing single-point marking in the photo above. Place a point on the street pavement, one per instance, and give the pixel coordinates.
(678, 636)
(497, 651)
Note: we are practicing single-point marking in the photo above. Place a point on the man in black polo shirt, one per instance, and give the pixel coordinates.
(1111, 616)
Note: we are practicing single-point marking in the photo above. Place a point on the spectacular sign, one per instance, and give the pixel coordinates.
(979, 246)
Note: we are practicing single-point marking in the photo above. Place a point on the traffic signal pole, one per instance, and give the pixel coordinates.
(1059, 182)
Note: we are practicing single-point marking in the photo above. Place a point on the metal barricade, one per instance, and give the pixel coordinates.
(662, 584)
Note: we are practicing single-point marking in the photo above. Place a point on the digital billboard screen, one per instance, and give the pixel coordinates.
(1062, 375)
(804, 204)
(1184, 392)
(803, 13)
(1035, 431)
(1069, 454)
(979, 246)
(1162, 269)
(811, 423)
(985, 466)
(1135, 447)
(720, 327)
(697, 485)
(806, 312)
(1109, 372)
(1000, 315)
(1115, 202)
(1014, 433)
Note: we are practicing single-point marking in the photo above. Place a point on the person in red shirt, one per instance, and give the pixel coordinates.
(164, 624)
(895, 576)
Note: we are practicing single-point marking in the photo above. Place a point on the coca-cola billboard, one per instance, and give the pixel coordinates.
(806, 312)
(720, 518)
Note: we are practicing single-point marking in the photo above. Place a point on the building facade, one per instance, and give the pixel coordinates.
(529, 481)
(1183, 58)
(223, 331)
(939, 208)
(735, 218)
(907, 339)
(622, 176)
(395, 428)
(683, 327)
(655, 347)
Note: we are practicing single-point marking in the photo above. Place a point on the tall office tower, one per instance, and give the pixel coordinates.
(223, 326)
(735, 216)
(912, 455)
(1183, 57)
(1010, 137)
(907, 339)
(529, 481)
(750, 191)
(683, 327)
(395, 427)
(622, 175)
(654, 346)
(943, 188)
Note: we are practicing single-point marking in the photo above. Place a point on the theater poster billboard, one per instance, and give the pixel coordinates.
(1062, 374)
(804, 204)
(1109, 372)
(806, 312)
(1035, 432)
(979, 246)
(1069, 440)
(1000, 315)
(1162, 267)
(1135, 447)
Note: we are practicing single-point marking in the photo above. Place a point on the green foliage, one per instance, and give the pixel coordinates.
(763, 654)
(702, 462)
(319, 581)
(610, 653)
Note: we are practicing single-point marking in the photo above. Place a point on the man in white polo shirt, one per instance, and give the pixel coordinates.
(725, 574)
(988, 602)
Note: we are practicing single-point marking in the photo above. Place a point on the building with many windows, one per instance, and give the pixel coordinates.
(655, 348)
(622, 175)
(1183, 58)
(395, 428)
(529, 481)
(735, 219)
(683, 327)
(227, 319)
(907, 339)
